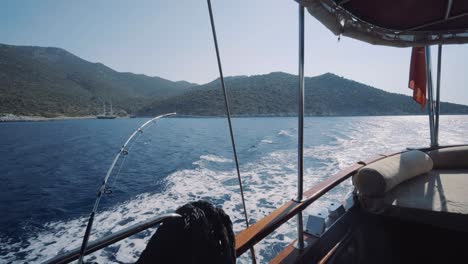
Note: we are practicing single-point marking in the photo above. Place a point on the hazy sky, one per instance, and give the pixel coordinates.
(172, 39)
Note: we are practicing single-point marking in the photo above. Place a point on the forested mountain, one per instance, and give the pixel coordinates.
(51, 81)
(276, 94)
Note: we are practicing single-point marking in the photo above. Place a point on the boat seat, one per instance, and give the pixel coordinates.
(433, 191)
(450, 158)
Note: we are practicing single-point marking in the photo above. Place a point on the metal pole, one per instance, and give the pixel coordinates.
(439, 66)
(96, 245)
(300, 132)
(228, 114)
(437, 103)
(430, 92)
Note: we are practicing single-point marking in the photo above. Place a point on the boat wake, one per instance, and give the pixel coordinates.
(268, 182)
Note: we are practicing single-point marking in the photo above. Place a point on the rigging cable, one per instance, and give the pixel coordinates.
(228, 114)
(102, 189)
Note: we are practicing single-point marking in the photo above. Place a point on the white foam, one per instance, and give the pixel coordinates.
(284, 133)
(269, 182)
(214, 158)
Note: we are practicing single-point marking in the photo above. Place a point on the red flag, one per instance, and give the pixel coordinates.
(417, 76)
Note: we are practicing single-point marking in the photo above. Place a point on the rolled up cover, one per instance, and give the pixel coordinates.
(381, 176)
(450, 158)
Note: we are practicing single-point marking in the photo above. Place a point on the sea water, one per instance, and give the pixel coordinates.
(50, 173)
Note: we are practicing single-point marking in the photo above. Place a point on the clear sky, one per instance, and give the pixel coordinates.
(172, 39)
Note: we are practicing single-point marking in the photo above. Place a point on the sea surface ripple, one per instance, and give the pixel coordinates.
(51, 171)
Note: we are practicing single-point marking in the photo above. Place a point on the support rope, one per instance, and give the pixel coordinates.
(226, 105)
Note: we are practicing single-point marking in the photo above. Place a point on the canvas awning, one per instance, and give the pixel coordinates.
(399, 23)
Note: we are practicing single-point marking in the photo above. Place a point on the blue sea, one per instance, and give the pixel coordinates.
(50, 173)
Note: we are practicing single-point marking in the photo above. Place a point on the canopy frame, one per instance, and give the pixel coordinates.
(333, 15)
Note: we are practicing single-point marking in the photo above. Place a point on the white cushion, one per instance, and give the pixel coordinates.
(381, 176)
(438, 190)
(450, 158)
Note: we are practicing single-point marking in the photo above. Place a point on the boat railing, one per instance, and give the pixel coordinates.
(265, 226)
(258, 231)
(246, 238)
(253, 234)
(96, 245)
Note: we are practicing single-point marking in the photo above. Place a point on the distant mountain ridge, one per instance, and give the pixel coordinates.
(275, 94)
(51, 82)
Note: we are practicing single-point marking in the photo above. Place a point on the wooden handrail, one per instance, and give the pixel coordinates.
(258, 231)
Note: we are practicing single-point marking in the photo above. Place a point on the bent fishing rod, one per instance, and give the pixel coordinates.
(123, 151)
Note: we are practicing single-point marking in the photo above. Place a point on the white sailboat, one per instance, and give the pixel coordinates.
(107, 115)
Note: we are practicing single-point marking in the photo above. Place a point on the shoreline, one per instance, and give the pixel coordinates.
(23, 118)
(20, 118)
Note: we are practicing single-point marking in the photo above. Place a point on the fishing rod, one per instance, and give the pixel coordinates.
(123, 151)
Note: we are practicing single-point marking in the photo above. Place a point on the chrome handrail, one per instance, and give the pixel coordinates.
(111, 239)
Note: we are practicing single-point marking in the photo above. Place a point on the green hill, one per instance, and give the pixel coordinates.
(276, 94)
(52, 81)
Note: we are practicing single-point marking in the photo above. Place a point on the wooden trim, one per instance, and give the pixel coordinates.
(335, 248)
(290, 254)
(317, 247)
(256, 232)
(265, 226)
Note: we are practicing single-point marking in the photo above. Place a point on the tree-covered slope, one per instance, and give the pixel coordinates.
(51, 81)
(276, 94)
